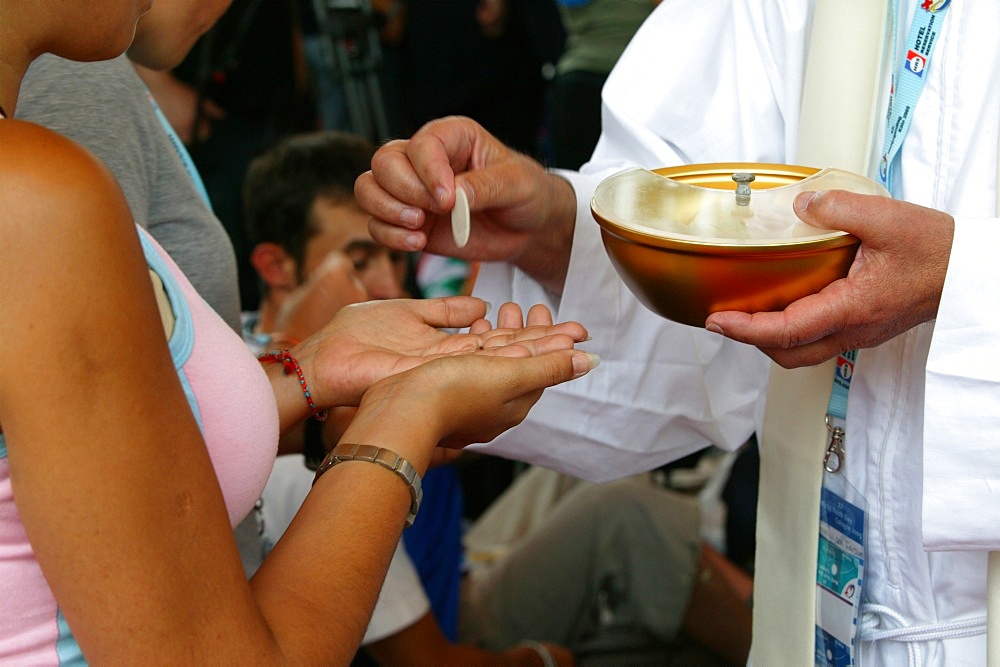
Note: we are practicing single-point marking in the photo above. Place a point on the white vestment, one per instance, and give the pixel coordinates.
(721, 81)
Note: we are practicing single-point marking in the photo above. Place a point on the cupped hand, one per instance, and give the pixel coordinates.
(894, 284)
(410, 193)
(456, 400)
(369, 341)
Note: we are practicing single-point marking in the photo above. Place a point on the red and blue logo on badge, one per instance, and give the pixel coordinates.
(845, 368)
(915, 62)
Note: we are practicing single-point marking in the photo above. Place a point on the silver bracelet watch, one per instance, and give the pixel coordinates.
(380, 456)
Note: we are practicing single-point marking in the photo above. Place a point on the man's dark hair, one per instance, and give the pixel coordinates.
(282, 184)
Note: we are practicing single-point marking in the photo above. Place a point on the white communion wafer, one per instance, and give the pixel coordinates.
(460, 219)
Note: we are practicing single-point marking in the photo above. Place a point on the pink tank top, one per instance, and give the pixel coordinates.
(230, 397)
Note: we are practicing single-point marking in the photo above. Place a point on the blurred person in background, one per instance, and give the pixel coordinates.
(597, 32)
(241, 87)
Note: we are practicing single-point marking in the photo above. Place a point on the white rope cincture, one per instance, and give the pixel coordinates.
(871, 619)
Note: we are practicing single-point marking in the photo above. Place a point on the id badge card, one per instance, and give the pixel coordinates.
(840, 571)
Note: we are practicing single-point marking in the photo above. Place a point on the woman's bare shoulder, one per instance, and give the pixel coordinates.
(45, 177)
(36, 156)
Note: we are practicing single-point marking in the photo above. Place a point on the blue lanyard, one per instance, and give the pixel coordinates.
(836, 411)
(908, 81)
(907, 84)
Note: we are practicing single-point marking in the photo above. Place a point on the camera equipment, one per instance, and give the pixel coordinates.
(353, 56)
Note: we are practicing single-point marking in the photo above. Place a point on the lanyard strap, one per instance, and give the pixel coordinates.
(907, 84)
(908, 81)
(836, 411)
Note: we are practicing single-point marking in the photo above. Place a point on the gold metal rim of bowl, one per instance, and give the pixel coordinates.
(717, 175)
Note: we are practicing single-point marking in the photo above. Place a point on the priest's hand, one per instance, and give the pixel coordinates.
(520, 213)
(894, 284)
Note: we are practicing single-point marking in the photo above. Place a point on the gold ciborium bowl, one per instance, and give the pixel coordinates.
(692, 240)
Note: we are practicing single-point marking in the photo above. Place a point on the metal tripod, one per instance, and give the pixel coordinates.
(353, 56)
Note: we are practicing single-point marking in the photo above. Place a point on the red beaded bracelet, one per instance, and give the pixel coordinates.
(292, 365)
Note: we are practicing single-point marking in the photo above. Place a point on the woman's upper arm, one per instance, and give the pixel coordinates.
(110, 475)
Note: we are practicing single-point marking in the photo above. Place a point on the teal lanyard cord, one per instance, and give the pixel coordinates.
(836, 411)
(908, 81)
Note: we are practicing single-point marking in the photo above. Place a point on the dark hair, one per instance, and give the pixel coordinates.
(282, 184)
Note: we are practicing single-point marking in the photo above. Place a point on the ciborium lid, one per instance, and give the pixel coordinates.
(739, 203)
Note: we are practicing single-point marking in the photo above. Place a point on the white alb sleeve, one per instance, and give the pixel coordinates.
(961, 507)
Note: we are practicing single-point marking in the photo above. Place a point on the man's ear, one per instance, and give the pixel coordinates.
(274, 266)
